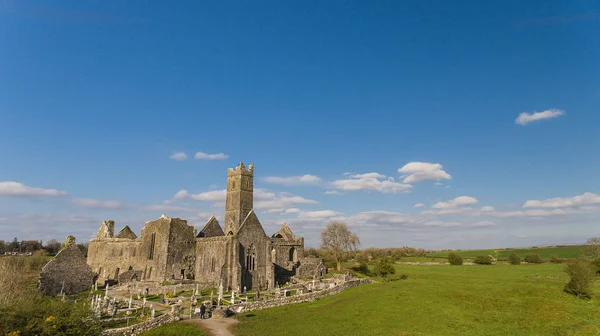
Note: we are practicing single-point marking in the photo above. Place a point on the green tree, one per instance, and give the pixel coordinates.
(384, 268)
(337, 239)
(14, 246)
(454, 259)
(582, 274)
(483, 260)
(533, 258)
(514, 259)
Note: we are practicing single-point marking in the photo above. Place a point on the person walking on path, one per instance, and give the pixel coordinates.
(202, 311)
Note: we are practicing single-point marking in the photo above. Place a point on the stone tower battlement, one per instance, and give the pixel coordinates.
(241, 170)
(240, 196)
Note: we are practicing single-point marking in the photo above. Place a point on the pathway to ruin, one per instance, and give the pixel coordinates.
(216, 327)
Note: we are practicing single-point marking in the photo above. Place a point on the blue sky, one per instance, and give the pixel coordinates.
(96, 98)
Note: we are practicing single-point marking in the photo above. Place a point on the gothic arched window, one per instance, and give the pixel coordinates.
(251, 258)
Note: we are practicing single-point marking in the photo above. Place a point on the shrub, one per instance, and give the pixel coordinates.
(533, 258)
(454, 259)
(383, 268)
(403, 276)
(362, 268)
(597, 264)
(582, 274)
(555, 259)
(514, 259)
(483, 260)
(169, 295)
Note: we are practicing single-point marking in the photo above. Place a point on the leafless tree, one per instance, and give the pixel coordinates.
(593, 248)
(337, 239)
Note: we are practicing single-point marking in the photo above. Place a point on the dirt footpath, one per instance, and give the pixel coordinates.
(216, 327)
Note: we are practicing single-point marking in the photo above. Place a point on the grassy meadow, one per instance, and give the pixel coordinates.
(563, 252)
(441, 300)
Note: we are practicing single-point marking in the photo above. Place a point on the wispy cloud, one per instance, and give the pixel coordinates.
(561, 202)
(414, 172)
(294, 180)
(19, 189)
(371, 181)
(526, 118)
(98, 204)
(206, 156)
(179, 156)
(318, 214)
(454, 203)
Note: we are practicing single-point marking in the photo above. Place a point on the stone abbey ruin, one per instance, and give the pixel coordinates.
(240, 256)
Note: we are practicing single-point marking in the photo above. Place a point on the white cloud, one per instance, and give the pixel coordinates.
(333, 192)
(371, 181)
(19, 189)
(283, 211)
(264, 194)
(447, 211)
(560, 202)
(205, 156)
(526, 118)
(98, 204)
(213, 195)
(318, 214)
(419, 205)
(487, 208)
(167, 208)
(483, 224)
(282, 202)
(294, 180)
(459, 201)
(179, 156)
(441, 223)
(423, 171)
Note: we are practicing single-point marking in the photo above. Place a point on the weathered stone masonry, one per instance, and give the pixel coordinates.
(241, 255)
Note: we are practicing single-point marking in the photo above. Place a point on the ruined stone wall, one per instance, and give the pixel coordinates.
(68, 268)
(308, 297)
(142, 327)
(111, 256)
(255, 244)
(181, 249)
(310, 268)
(211, 255)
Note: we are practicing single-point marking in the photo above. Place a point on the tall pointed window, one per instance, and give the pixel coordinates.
(152, 243)
(251, 258)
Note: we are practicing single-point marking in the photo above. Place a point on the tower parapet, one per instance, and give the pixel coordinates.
(241, 170)
(240, 198)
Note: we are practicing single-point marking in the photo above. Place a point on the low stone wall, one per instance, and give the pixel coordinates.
(259, 305)
(142, 327)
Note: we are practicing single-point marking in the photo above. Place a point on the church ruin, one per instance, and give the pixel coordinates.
(241, 255)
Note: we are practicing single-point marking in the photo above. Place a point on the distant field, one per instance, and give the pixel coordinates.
(564, 252)
(441, 300)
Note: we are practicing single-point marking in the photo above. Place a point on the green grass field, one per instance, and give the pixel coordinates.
(564, 252)
(441, 300)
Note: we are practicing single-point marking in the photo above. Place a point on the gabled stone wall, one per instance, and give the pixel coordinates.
(68, 271)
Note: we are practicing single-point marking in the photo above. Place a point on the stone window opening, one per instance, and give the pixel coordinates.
(152, 243)
(117, 273)
(150, 273)
(130, 268)
(292, 256)
(212, 264)
(251, 259)
(233, 185)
